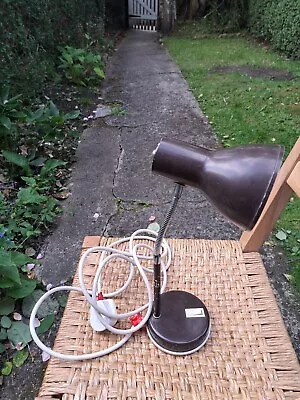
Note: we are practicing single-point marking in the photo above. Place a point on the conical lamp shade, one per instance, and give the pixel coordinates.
(237, 180)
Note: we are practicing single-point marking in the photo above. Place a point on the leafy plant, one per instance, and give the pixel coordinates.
(31, 141)
(9, 113)
(31, 211)
(50, 123)
(81, 66)
(25, 164)
(33, 137)
(24, 213)
(30, 32)
(118, 110)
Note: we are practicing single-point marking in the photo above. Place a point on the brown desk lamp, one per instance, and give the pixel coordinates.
(238, 182)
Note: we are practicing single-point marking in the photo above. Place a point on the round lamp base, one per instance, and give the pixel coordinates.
(183, 326)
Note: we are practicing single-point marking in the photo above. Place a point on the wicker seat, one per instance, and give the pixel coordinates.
(248, 356)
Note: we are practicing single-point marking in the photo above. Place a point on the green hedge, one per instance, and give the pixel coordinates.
(31, 30)
(278, 21)
(226, 15)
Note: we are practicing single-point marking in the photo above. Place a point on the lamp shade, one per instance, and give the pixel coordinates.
(236, 180)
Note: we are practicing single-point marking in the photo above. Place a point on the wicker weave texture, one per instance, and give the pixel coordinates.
(248, 356)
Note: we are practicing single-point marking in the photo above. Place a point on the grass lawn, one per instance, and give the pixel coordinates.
(242, 108)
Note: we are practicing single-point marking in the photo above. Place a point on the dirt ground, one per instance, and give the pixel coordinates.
(256, 72)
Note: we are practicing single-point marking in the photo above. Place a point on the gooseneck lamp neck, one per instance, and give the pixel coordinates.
(157, 251)
(238, 182)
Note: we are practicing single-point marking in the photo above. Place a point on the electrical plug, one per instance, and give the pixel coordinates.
(109, 306)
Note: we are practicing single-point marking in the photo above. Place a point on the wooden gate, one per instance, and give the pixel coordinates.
(142, 14)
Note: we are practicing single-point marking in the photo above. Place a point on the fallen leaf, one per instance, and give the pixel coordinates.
(30, 266)
(36, 323)
(17, 316)
(31, 275)
(45, 356)
(154, 226)
(288, 277)
(19, 346)
(29, 251)
(280, 235)
(62, 195)
(24, 150)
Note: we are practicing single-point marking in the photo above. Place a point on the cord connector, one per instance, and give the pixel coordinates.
(100, 296)
(136, 319)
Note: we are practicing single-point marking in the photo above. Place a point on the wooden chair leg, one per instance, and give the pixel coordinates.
(288, 180)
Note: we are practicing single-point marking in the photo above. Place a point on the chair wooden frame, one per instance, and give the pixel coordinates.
(287, 182)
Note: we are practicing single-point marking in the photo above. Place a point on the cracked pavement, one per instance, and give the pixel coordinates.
(112, 176)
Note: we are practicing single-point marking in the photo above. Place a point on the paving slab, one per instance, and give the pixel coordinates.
(115, 157)
(91, 193)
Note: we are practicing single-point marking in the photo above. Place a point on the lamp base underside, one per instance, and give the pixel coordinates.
(183, 326)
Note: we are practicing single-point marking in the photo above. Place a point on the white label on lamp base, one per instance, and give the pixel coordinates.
(194, 313)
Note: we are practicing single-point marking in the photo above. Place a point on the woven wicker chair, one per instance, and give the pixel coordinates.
(249, 354)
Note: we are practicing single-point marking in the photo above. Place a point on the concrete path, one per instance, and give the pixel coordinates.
(112, 176)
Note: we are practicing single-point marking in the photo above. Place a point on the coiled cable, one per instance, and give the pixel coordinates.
(108, 253)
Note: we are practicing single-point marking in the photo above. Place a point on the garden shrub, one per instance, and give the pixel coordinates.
(31, 31)
(226, 15)
(278, 22)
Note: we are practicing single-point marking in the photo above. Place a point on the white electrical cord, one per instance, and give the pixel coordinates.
(109, 253)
